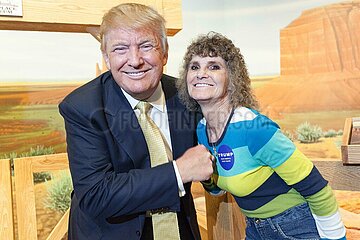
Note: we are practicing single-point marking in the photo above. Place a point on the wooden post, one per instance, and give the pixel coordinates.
(340, 177)
(25, 199)
(224, 218)
(350, 153)
(6, 208)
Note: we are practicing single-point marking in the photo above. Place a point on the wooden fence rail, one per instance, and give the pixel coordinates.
(24, 168)
(224, 220)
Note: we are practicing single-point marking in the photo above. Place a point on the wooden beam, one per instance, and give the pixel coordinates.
(6, 201)
(25, 199)
(340, 177)
(61, 227)
(347, 131)
(224, 218)
(50, 162)
(78, 15)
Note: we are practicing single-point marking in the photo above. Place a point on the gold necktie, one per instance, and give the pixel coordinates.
(165, 225)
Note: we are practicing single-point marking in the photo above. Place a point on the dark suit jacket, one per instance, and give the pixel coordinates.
(109, 162)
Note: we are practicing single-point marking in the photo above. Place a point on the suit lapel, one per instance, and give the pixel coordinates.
(124, 125)
(181, 123)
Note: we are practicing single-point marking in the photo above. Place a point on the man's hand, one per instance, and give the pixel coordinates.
(196, 164)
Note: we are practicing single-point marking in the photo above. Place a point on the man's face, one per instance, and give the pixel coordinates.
(136, 60)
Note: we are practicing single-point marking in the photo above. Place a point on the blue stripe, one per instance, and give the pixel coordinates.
(235, 138)
(310, 185)
(260, 131)
(276, 151)
(270, 189)
(243, 162)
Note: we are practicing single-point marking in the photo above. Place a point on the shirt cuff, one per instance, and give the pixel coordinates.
(179, 181)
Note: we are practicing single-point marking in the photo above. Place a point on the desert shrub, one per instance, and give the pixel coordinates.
(340, 132)
(330, 133)
(289, 134)
(11, 155)
(39, 150)
(338, 143)
(307, 133)
(59, 192)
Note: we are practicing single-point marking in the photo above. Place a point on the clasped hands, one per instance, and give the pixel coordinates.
(196, 164)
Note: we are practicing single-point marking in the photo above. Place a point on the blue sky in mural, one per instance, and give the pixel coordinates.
(254, 26)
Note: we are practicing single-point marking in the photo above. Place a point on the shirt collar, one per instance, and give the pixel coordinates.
(157, 99)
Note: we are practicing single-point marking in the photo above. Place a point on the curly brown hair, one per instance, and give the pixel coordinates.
(214, 44)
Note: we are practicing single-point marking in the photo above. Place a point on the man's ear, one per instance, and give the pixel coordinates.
(106, 59)
(165, 58)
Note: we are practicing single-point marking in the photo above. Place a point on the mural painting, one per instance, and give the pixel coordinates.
(318, 85)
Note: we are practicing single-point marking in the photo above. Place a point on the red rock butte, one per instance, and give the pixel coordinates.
(319, 61)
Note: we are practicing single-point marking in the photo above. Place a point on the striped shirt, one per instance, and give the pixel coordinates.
(266, 173)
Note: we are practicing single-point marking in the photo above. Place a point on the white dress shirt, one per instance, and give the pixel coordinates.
(158, 113)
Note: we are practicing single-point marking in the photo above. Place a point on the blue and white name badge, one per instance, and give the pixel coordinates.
(226, 157)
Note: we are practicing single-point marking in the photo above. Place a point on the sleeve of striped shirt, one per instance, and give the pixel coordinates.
(274, 149)
(303, 176)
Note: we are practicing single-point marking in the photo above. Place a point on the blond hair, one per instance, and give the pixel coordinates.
(133, 16)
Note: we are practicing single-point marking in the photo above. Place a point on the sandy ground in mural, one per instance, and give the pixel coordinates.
(29, 117)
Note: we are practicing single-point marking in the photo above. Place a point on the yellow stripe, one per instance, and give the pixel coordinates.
(245, 183)
(295, 169)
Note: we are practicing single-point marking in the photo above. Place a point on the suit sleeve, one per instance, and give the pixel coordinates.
(102, 192)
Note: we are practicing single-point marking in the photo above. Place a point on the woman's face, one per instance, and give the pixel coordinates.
(207, 80)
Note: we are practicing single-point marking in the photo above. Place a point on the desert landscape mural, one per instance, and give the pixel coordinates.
(319, 67)
(29, 117)
(318, 83)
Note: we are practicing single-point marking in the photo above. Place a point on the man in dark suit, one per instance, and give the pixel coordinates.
(115, 189)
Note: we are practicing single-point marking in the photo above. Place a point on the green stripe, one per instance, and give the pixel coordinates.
(323, 203)
(295, 169)
(245, 183)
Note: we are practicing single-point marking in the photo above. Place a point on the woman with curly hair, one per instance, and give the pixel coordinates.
(279, 190)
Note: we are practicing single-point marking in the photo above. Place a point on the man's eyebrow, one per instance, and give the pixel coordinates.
(144, 41)
(119, 44)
